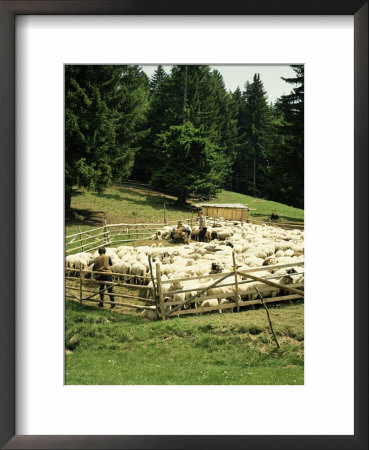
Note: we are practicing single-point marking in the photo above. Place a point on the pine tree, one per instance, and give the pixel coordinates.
(198, 95)
(147, 159)
(134, 89)
(189, 93)
(289, 159)
(158, 78)
(193, 163)
(104, 106)
(238, 184)
(255, 124)
(225, 110)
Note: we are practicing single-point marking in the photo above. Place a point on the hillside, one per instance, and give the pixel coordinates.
(133, 203)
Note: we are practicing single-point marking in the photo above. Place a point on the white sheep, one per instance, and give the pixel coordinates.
(138, 272)
(214, 302)
(122, 267)
(89, 273)
(195, 232)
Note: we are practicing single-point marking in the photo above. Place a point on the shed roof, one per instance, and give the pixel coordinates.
(224, 205)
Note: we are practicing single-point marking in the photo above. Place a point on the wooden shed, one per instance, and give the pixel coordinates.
(229, 211)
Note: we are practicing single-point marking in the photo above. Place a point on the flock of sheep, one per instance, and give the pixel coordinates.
(260, 247)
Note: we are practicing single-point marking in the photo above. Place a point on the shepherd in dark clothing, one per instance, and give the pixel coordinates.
(203, 227)
(103, 263)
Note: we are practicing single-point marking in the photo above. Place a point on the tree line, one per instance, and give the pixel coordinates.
(183, 132)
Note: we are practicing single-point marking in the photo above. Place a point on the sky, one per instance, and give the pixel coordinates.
(234, 76)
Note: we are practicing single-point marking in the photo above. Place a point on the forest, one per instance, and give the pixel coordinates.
(182, 132)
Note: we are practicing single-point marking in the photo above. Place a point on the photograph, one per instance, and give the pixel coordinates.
(184, 224)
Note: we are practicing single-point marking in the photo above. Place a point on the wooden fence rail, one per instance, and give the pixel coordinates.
(240, 283)
(215, 297)
(171, 308)
(122, 233)
(84, 285)
(252, 270)
(107, 234)
(232, 305)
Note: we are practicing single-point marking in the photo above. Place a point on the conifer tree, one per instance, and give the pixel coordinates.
(192, 163)
(134, 91)
(147, 159)
(104, 106)
(255, 128)
(197, 95)
(158, 78)
(289, 154)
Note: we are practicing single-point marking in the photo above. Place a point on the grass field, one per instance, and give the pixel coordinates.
(263, 208)
(105, 347)
(130, 204)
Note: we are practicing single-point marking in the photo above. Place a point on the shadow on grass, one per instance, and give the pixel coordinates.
(90, 218)
(265, 217)
(155, 201)
(75, 307)
(109, 196)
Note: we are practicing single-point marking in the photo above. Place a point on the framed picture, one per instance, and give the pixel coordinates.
(20, 405)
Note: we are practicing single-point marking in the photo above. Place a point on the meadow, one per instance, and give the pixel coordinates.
(139, 204)
(105, 347)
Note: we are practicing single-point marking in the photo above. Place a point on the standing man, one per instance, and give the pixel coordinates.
(202, 226)
(103, 263)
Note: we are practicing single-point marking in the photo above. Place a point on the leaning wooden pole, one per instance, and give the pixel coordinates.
(189, 300)
(270, 322)
(160, 291)
(237, 297)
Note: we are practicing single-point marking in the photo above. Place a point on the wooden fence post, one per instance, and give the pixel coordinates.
(80, 286)
(80, 238)
(154, 289)
(165, 214)
(237, 297)
(160, 291)
(106, 232)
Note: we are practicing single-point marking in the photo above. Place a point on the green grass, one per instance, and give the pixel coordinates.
(123, 204)
(263, 208)
(107, 347)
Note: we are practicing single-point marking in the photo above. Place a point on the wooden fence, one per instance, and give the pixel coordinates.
(162, 303)
(120, 233)
(83, 289)
(285, 225)
(171, 308)
(113, 235)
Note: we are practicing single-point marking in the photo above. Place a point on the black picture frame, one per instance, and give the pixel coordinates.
(8, 12)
